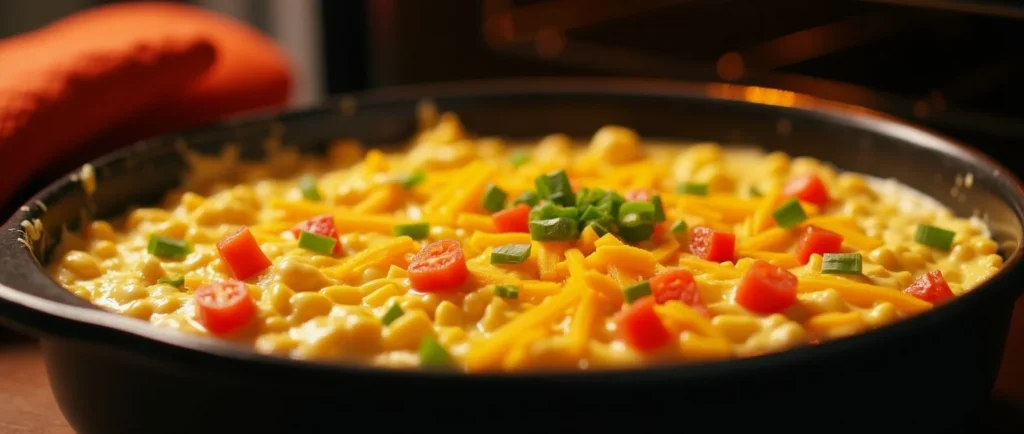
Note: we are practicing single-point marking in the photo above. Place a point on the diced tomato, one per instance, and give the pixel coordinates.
(242, 254)
(931, 287)
(677, 284)
(712, 245)
(321, 225)
(513, 219)
(807, 188)
(224, 307)
(639, 326)
(638, 195)
(439, 267)
(766, 288)
(817, 240)
(660, 229)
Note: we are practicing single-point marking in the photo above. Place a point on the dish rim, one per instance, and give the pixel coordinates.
(101, 327)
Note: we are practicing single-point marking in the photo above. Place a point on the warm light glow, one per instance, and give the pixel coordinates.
(768, 96)
(730, 66)
(549, 42)
(499, 30)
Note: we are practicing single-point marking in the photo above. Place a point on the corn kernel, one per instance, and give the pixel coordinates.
(100, 230)
(343, 294)
(381, 295)
(735, 327)
(277, 343)
(448, 314)
(278, 299)
(104, 249)
(82, 264)
(309, 305)
(406, 332)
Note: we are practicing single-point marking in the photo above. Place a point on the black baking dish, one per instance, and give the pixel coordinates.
(112, 374)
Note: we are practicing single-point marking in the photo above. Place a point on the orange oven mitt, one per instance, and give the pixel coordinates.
(109, 75)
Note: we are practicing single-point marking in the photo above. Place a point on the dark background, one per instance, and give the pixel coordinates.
(953, 66)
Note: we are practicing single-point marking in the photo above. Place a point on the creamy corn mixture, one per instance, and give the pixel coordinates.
(574, 303)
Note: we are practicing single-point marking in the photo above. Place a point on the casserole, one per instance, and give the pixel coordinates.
(927, 373)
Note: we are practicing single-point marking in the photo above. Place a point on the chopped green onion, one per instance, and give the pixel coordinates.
(591, 213)
(176, 280)
(167, 247)
(317, 243)
(935, 237)
(549, 211)
(659, 209)
(754, 192)
(692, 188)
(635, 231)
(510, 254)
(554, 229)
(416, 231)
(432, 354)
(506, 291)
(636, 221)
(841, 263)
(494, 198)
(528, 197)
(589, 196)
(789, 214)
(599, 228)
(307, 185)
(636, 291)
(645, 210)
(555, 186)
(680, 227)
(394, 312)
(519, 157)
(611, 203)
(413, 179)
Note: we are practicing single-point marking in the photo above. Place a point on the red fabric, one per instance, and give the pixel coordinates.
(117, 73)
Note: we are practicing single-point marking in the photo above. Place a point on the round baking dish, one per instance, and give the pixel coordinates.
(114, 374)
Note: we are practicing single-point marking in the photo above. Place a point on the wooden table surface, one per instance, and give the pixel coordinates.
(26, 405)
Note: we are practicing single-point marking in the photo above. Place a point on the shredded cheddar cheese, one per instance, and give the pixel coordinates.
(420, 258)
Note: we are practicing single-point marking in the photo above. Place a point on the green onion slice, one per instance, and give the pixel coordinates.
(413, 179)
(176, 281)
(167, 247)
(694, 188)
(755, 192)
(555, 186)
(659, 209)
(518, 157)
(416, 231)
(555, 229)
(636, 221)
(841, 263)
(636, 291)
(934, 237)
(680, 227)
(528, 197)
(394, 312)
(317, 243)
(510, 254)
(432, 354)
(506, 291)
(789, 214)
(599, 228)
(307, 185)
(494, 198)
(549, 211)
